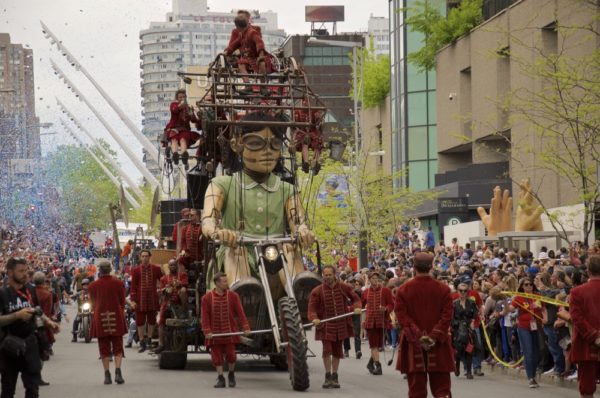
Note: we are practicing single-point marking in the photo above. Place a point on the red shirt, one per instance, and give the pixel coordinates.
(525, 317)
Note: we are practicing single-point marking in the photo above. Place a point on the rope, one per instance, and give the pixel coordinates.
(538, 297)
(493, 352)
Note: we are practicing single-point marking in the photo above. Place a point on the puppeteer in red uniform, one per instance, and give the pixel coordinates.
(585, 315)
(424, 311)
(379, 303)
(178, 131)
(107, 295)
(144, 295)
(173, 291)
(222, 312)
(327, 300)
(308, 137)
(191, 242)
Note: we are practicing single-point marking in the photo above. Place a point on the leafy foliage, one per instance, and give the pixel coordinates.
(425, 17)
(370, 206)
(85, 189)
(373, 76)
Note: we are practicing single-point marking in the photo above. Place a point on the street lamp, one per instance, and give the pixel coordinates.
(354, 45)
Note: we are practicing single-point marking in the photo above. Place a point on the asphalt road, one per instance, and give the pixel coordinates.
(75, 371)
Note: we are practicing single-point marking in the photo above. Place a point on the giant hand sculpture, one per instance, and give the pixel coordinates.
(528, 214)
(500, 217)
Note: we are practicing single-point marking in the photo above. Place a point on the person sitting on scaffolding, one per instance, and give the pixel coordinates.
(253, 56)
(253, 203)
(306, 138)
(178, 131)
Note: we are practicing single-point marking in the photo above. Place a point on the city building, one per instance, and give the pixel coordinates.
(482, 141)
(190, 35)
(329, 72)
(20, 147)
(379, 32)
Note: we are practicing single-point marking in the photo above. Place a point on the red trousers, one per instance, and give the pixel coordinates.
(375, 337)
(110, 345)
(587, 374)
(145, 318)
(218, 350)
(333, 348)
(439, 382)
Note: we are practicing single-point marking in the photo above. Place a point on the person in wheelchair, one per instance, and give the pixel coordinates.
(178, 132)
(253, 56)
(82, 297)
(306, 138)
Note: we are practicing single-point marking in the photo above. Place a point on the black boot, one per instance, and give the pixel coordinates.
(370, 365)
(220, 382)
(231, 379)
(107, 378)
(327, 383)
(175, 158)
(185, 156)
(143, 346)
(377, 371)
(334, 380)
(118, 376)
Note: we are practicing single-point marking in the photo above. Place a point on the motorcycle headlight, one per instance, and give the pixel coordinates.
(271, 253)
(86, 306)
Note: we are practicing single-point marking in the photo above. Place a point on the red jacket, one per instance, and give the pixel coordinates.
(584, 306)
(424, 308)
(249, 42)
(191, 242)
(374, 299)
(181, 117)
(144, 285)
(326, 302)
(218, 316)
(235, 34)
(46, 303)
(167, 280)
(108, 302)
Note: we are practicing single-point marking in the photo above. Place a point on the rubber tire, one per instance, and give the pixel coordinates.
(85, 327)
(172, 360)
(292, 332)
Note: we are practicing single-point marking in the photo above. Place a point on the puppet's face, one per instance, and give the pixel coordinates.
(260, 150)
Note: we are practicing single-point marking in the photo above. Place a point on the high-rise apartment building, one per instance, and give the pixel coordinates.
(191, 35)
(379, 32)
(20, 147)
(19, 127)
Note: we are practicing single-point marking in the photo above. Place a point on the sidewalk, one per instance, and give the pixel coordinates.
(520, 374)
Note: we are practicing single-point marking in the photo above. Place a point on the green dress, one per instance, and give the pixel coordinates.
(254, 210)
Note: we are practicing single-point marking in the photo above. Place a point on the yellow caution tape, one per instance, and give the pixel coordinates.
(493, 352)
(538, 297)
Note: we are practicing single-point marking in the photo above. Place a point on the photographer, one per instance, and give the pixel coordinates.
(19, 350)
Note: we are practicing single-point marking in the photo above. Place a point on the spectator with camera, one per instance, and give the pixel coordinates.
(20, 320)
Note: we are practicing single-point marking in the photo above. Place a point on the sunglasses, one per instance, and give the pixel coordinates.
(462, 291)
(527, 284)
(254, 142)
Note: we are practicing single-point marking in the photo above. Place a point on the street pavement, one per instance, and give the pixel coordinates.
(75, 371)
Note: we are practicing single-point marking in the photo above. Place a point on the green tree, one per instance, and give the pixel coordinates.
(85, 189)
(438, 30)
(373, 76)
(370, 206)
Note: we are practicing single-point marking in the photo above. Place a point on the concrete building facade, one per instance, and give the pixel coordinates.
(379, 31)
(20, 147)
(190, 35)
(478, 74)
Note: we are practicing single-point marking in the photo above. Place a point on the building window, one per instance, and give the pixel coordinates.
(417, 109)
(417, 143)
(418, 175)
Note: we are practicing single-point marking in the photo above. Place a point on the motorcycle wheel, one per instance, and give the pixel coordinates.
(292, 333)
(85, 326)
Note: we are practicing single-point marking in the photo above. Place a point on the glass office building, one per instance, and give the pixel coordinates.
(414, 135)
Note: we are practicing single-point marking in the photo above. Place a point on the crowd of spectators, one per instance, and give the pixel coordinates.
(523, 332)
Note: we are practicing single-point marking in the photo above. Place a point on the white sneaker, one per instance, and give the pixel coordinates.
(550, 372)
(573, 376)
